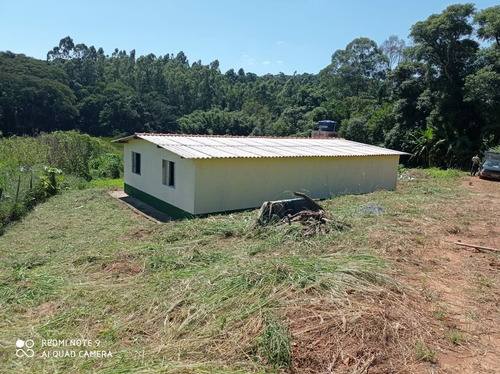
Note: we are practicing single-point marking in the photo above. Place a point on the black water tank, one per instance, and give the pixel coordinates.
(327, 125)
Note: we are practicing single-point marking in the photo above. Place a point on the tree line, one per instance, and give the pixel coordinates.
(438, 98)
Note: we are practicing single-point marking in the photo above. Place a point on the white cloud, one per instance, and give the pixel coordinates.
(247, 59)
(279, 62)
(267, 62)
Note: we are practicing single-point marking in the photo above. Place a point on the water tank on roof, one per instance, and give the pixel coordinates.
(327, 125)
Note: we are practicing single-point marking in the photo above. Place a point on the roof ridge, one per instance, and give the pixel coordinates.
(236, 136)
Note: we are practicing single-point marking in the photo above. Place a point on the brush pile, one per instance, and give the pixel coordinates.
(305, 211)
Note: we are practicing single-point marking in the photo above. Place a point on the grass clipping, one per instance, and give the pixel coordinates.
(371, 331)
(202, 295)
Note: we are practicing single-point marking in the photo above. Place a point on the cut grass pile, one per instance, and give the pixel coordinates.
(212, 295)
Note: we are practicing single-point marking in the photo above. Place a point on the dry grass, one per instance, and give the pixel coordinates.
(216, 295)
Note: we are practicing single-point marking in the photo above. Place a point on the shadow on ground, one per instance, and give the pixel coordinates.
(140, 207)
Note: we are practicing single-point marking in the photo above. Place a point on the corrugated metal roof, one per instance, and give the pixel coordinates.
(199, 147)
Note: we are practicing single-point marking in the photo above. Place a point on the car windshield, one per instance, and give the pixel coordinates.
(492, 164)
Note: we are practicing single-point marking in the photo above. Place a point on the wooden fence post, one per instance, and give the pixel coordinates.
(18, 185)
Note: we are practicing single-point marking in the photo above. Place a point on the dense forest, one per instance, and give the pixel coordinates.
(438, 98)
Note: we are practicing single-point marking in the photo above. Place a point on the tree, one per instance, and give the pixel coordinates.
(19, 64)
(148, 74)
(63, 51)
(444, 47)
(356, 69)
(424, 145)
(394, 49)
(443, 41)
(216, 122)
(122, 110)
(354, 84)
(482, 89)
(489, 24)
(181, 59)
(29, 105)
(89, 108)
(355, 129)
(158, 116)
(413, 103)
(231, 76)
(380, 123)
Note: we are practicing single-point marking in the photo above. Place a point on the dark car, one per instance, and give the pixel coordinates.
(490, 169)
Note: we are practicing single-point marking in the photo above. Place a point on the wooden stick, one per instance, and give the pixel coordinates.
(305, 197)
(18, 185)
(478, 247)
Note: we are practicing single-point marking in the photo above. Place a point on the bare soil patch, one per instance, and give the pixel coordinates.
(122, 268)
(462, 284)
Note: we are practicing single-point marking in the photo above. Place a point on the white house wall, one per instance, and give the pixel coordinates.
(150, 180)
(232, 184)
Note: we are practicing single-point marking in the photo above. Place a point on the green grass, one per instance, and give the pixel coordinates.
(445, 173)
(194, 296)
(274, 343)
(424, 353)
(107, 183)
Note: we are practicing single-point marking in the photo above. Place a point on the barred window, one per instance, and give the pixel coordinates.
(136, 163)
(168, 171)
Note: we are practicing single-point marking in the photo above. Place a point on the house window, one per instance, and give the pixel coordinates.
(136, 163)
(168, 169)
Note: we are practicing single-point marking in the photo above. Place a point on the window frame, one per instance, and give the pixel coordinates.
(168, 173)
(136, 163)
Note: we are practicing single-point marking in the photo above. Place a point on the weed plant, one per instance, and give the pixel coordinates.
(424, 353)
(274, 343)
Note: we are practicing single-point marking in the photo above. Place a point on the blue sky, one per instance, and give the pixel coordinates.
(260, 36)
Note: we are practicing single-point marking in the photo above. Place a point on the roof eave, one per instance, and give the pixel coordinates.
(125, 139)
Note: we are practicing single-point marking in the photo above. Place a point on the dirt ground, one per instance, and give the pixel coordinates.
(463, 283)
(446, 321)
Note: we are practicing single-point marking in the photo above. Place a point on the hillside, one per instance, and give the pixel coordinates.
(391, 293)
(437, 98)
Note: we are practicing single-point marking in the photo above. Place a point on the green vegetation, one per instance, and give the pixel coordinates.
(424, 353)
(455, 337)
(22, 189)
(212, 295)
(444, 173)
(274, 343)
(33, 169)
(437, 99)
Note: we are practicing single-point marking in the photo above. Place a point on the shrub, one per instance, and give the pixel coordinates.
(25, 181)
(109, 165)
(22, 151)
(24, 188)
(72, 152)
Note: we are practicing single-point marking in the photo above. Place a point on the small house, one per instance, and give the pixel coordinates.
(186, 175)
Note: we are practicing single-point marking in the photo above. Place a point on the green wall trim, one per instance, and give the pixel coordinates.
(169, 209)
(156, 203)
